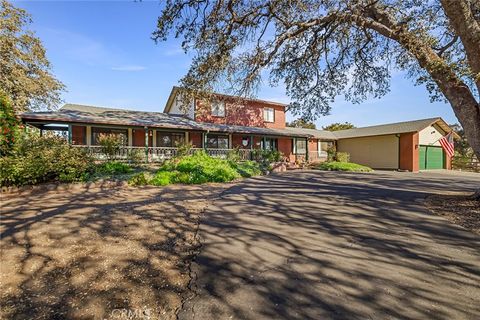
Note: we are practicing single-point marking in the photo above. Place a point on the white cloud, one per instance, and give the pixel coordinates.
(129, 68)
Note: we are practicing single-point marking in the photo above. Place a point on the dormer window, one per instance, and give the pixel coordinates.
(268, 115)
(218, 109)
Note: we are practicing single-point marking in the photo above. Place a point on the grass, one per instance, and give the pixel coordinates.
(343, 166)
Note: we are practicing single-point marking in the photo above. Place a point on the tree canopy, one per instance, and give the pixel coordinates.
(25, 72)
(322, 49)
(301, 123)
(339, 126)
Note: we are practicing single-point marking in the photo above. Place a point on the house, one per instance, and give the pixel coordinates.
(245, 124)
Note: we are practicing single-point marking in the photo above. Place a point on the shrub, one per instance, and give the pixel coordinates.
(184, 149)
(139, 179)
(163, 178)
(113, 168)
(331, 151)
(110, 144)
(37, 159)
(135, 156)
(247, 169)
(342, 157)
(267, 156)
(201, 168)
(10, 126)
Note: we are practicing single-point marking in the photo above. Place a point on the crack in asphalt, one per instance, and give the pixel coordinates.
(192, 290)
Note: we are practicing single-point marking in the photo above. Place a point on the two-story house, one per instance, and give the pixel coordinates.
(229, 122)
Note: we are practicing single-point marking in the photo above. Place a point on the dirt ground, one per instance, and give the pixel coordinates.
(459, 209)
(100, 253)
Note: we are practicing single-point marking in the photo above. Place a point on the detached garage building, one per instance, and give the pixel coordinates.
(411, 145)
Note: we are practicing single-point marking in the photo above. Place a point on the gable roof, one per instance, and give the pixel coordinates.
(75, 113)
(176, 90)
(393, 128)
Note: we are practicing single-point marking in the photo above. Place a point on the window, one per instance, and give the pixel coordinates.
(268, 115)
(168, 139)
(121, 133)
(325, 145)
(218, 109)
(217, 142)
(301, 146)
(269, 144)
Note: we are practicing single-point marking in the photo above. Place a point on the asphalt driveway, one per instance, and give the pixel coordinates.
(326, 245)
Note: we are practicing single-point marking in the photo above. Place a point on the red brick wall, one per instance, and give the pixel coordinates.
(409, 151)
(285, 147)
(79, 135)
(195, 139)
(248, 114)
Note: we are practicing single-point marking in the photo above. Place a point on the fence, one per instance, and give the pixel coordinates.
(466, 164)
(158, 154)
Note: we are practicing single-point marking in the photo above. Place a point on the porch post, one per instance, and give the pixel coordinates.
(187, 137)
(204, 140)
(146, 144)
(154, 138)
(229, 141)
(88, 133)
(306, 150)
(294, 148)
(130, 137)
(70, 134)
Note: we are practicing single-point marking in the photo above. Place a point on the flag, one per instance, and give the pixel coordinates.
(447, 144)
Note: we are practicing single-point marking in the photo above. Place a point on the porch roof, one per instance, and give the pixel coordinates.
(81, 114)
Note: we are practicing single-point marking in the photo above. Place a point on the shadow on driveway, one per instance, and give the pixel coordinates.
(326, 245)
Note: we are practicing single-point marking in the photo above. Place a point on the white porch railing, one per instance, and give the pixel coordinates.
(158, 154)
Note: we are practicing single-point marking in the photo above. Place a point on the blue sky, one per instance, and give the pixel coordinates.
(103, 53)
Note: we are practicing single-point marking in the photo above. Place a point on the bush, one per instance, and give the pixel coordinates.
(331, 151)
(110, 144)
(267, 156)
(201, 168)
(139, 179)
(37, 159)
(184, 149)
(113, 168)
(136, 156)
(342, 157)
(10, 126)
(343, 166)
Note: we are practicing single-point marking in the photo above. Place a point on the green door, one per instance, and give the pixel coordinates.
(421, 157)
(430, 157)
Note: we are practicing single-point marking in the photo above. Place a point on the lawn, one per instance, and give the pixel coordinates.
(342, 166)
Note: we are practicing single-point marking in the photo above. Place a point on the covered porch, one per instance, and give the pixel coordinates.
(153, 144)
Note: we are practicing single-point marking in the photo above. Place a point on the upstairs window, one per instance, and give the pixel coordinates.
(218, 109)
(268, 115)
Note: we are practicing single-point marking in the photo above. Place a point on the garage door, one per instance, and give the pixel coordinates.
(430, 157)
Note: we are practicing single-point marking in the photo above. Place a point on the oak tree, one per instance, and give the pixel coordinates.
(25, 72)
(338, 126)
(322, 49)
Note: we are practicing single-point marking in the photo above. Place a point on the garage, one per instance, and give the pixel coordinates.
(430, 157)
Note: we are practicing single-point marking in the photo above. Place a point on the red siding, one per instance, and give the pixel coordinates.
(237, 141)
(138, 137)
(312, 145)
(248, 114)
(79, 134)
(195, 139)
(409, 151)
